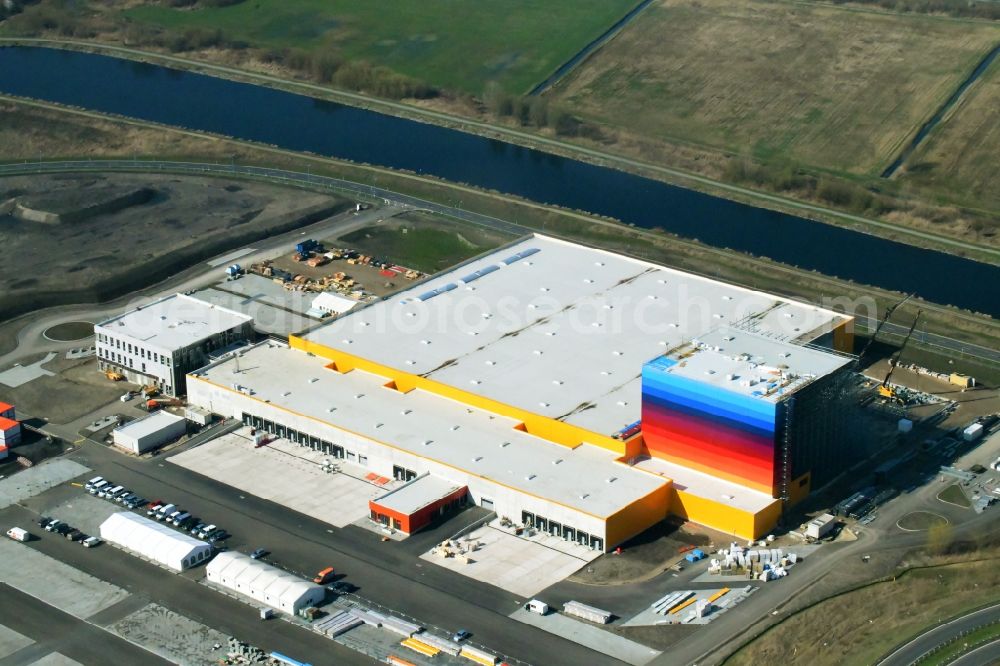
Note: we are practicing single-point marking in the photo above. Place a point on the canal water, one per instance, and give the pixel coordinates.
(301, 123)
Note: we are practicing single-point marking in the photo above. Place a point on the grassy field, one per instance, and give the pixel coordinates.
(423, 241)
(858, 627)
(959, 158)
(452, 44)
(813, 85)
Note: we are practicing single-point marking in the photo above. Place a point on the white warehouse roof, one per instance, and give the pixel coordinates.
(154, 541)
(148, 425)
(174, 322)
(752, 365)
(263, 582)
(430, 426)
(559, 329)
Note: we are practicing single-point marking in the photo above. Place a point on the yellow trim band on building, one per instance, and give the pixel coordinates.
(550, 429)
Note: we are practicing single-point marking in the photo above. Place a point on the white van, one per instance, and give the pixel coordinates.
(93, 482)
(96, 488)
(536, 606)
(109, 493)
(165, 511)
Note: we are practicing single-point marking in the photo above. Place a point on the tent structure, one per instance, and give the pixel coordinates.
(154, 541)
(262, 582)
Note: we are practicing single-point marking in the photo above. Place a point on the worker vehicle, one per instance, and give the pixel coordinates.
(75, 535)
(109, 492)
(165, 511)
(94, 481)
(198, 528)
(218, 535)
(126, 396)
(96, 488)
(323, 577)
(460, 635)
(52, 525)
(43, 521)
(18, 534)
(171, 515)
(114, 375)
(124, 496)
(61, 528)
(136, 502)
(257, 554)
(536, 606)
(179, 518)
(90, 542)
(206, 531)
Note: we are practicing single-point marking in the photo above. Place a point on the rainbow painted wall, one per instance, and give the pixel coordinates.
(709, 428)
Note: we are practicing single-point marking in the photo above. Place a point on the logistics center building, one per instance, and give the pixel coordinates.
(582, 392)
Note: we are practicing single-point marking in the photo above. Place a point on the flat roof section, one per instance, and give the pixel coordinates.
(750, 365)
(429, 426)
(558, 329)
(417, 494)
(149, 425)
(707, 486)
(174, 322)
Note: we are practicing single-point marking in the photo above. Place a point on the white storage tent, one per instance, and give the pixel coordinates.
(262, 582)
(154, 541)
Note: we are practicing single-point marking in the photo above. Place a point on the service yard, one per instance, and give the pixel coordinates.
(787, 82)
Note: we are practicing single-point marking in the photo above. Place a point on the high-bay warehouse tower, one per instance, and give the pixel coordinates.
(582, 392)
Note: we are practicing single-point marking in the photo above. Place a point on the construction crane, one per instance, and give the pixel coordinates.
(884, 390)
(885, 318)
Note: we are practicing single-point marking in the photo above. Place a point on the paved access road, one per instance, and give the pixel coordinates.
(390, 574)
(56, 631)
(924, 643)
(986, 654)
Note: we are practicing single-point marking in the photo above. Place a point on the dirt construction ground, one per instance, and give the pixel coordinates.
(83, 256)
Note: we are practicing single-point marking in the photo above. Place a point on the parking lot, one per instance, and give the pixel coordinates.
(284, 473)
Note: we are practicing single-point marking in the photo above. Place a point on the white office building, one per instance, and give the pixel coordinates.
(161, 342)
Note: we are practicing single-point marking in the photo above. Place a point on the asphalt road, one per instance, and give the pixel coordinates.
(56, 631)
(981, 656)
(386, 573)
(924, 643)
(181, 593)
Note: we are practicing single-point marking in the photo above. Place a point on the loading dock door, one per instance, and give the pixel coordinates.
(569, 533)
(555, 529)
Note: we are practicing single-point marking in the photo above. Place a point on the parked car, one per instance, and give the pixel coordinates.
(461, 635)
(125, 497)
(154, 507)
(96, 488)
(62, 528)
(75, 535)
(90, 542)
(257, 554)
(197, 529)
(137, 502)
(343, 587)
(218, 535)
(207, 531)
(43, 521)
(179, 518)
(52, 524)
(93, 482)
